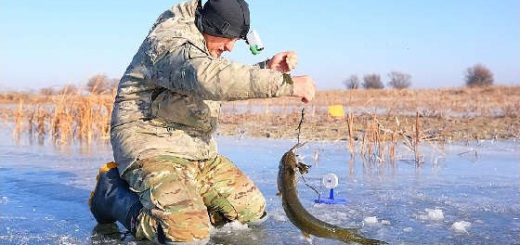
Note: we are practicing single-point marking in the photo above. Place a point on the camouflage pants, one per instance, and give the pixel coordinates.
(185, 197)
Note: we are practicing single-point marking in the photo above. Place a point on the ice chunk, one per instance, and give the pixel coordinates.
(432, 214)
(408, 229)
(233, 226)
(461, 226)
(370, 220)
(435, 214)
(385, 222)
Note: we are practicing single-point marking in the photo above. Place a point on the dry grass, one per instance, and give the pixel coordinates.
(61, 118)
(460, 102)
(376, 119)
(379, 120)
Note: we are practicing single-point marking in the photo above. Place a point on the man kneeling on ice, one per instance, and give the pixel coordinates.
(170, 184)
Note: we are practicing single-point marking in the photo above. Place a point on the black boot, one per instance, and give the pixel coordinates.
(112, 199)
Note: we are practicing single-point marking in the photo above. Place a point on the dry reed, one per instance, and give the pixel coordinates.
(64, 118)
(350, 125)
(372, 119)
(417, 140)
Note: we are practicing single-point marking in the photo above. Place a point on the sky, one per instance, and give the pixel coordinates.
(55, 42)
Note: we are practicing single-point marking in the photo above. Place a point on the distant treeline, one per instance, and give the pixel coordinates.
(97, 84)
(475, 76)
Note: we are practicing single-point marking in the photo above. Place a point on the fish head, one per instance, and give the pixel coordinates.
(289, 160)
(303, 168)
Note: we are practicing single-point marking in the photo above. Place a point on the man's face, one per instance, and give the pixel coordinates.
(217, 45)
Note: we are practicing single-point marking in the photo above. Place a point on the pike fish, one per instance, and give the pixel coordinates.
(301, 218)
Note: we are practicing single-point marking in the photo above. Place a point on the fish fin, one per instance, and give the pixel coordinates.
(307, 237)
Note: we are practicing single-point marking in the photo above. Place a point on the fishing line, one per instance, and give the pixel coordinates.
(310, 186)
(298, 138)
(300, 124)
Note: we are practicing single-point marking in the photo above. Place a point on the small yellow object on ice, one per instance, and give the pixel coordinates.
(336, 111)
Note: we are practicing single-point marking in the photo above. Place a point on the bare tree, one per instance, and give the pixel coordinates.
(479, 76)
(372, 81)
(114, 83)
(352, 82)
(99, 84)
(399, 80)
(69, 89)
(48, 91)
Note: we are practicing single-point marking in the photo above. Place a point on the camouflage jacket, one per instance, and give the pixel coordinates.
(168, 100)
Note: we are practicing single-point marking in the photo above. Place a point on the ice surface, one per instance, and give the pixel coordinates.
(278, 216)
(44, 191)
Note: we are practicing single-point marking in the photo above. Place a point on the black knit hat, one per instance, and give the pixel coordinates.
(223, 18)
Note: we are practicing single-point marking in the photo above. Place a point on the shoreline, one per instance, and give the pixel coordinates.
(430, 129)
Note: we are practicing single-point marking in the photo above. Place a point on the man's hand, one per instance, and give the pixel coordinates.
(283, 62)
(304, 88)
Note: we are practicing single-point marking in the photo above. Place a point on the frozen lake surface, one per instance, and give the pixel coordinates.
(461, 194)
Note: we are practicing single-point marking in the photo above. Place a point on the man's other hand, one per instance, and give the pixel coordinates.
(304, 88)
(283, 62)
